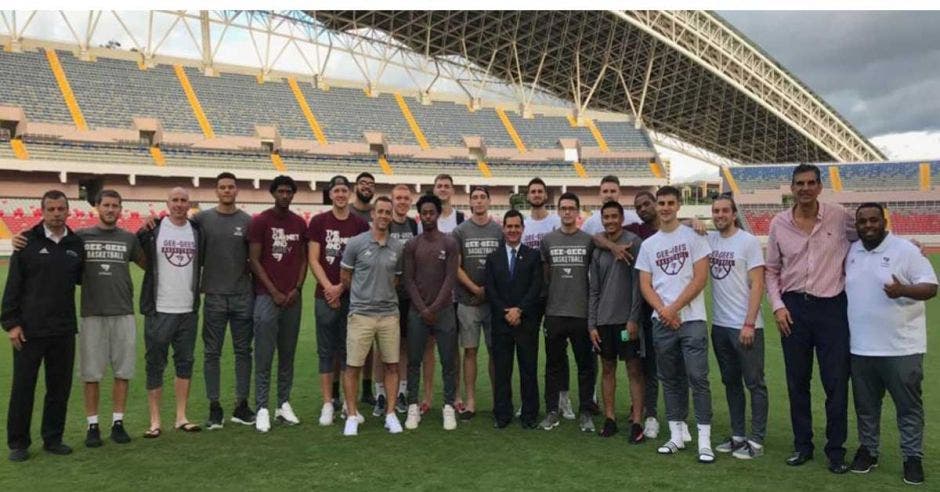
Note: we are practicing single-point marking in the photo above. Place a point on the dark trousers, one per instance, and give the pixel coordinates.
(819, 324)
(218, 312)
(445, 332)
(564, 375)
(523, 342)
(58, 355)
(742, 367)
(901, 376)
(559, 330)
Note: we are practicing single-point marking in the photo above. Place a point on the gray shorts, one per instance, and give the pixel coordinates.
(105, 340)
(471, 320)
(165, 330)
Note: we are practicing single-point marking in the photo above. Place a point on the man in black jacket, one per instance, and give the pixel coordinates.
(169, 300)
(39, 315)
(513, 285)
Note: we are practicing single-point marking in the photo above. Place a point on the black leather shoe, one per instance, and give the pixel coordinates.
(529, 425)
(500, 424)
(57, 448)
(18, 455)
(798, 458)
(838, 467)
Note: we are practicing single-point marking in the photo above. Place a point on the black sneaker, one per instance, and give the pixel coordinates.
(118, 434)
(636, 433)
(367, 398)
(93, 437)
(610, 428)
(58, 448)
(401, 406)
(379, 409)
(913, 471)
(215, 416)
(242, 414)
(19, 455)
(863, 461)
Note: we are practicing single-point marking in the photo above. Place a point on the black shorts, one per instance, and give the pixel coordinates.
(612, 347)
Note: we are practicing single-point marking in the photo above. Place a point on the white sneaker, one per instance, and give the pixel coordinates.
(352, 427)
(262, 420)
(359, 418)
(564, 406)
(651, 429)
(414, 417)
(686, 437)
(326, 414)
(392, 423)
(286, 414)
(450, 418)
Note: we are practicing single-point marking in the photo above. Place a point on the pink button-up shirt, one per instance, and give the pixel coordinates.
(811, 263)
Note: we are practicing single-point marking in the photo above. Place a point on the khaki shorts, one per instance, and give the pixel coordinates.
(471, 321)
(361, 330)
(105, 340)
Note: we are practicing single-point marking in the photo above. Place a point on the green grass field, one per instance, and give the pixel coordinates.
(473, 457)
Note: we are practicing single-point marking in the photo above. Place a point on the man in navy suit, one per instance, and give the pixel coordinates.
(513, 284)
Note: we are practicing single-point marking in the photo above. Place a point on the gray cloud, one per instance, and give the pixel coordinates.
(880, 70)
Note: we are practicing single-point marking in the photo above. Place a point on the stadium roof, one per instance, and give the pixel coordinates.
(684, 74)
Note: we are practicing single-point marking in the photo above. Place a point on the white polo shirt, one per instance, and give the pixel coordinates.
(881, 326)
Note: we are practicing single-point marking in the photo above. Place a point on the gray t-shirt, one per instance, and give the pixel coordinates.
(107, 289)
(365, 214)
(476, 242)
(404, 233)
(225, 237)
(615, 294)
(567, 257)
(374, 268)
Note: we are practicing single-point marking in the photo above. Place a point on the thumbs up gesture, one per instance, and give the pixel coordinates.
(894, 289)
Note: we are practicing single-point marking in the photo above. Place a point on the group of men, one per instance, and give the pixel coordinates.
(625, 285)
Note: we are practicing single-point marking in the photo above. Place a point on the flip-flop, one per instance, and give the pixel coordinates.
(152, 433)
(669, 447)
(188, 427)
(706, 455)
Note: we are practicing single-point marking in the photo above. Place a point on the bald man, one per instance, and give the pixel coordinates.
(169, 300)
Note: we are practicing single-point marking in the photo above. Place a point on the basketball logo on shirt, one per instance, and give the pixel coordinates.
(178, 253)
(721, 263)
(671, 260)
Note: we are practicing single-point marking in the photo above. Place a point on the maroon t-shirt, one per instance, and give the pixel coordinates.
(283, 239)
(333, 234)
(641, 229)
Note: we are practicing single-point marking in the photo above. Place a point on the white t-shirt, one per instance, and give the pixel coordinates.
(444, 224)
(535, 230)
(176, 252)
(670, 257)
(594, 225)
(730, 261)
(880, 326)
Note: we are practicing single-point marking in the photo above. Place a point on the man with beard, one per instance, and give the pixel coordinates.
(362, 206)
(328, 234)
(737, 271)
(169, 300)
(277, 254)
(431, 261)
(886, 283)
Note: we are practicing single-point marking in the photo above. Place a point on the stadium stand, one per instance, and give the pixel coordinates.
(880, 176)
(623, 136)
(446, 123)
(623, 168)
(27, 82)
(544, 131)
(112, 92)
(345, 114)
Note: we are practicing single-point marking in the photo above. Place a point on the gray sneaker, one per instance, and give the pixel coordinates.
(551, 421)
(730, 445)
(749, 451)
(586, 423)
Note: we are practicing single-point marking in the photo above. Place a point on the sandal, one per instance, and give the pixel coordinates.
(669, 447)
(188, 427)
(152, 433)
(706, 455)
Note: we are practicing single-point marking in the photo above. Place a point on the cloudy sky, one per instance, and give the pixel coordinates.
(879, 70)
